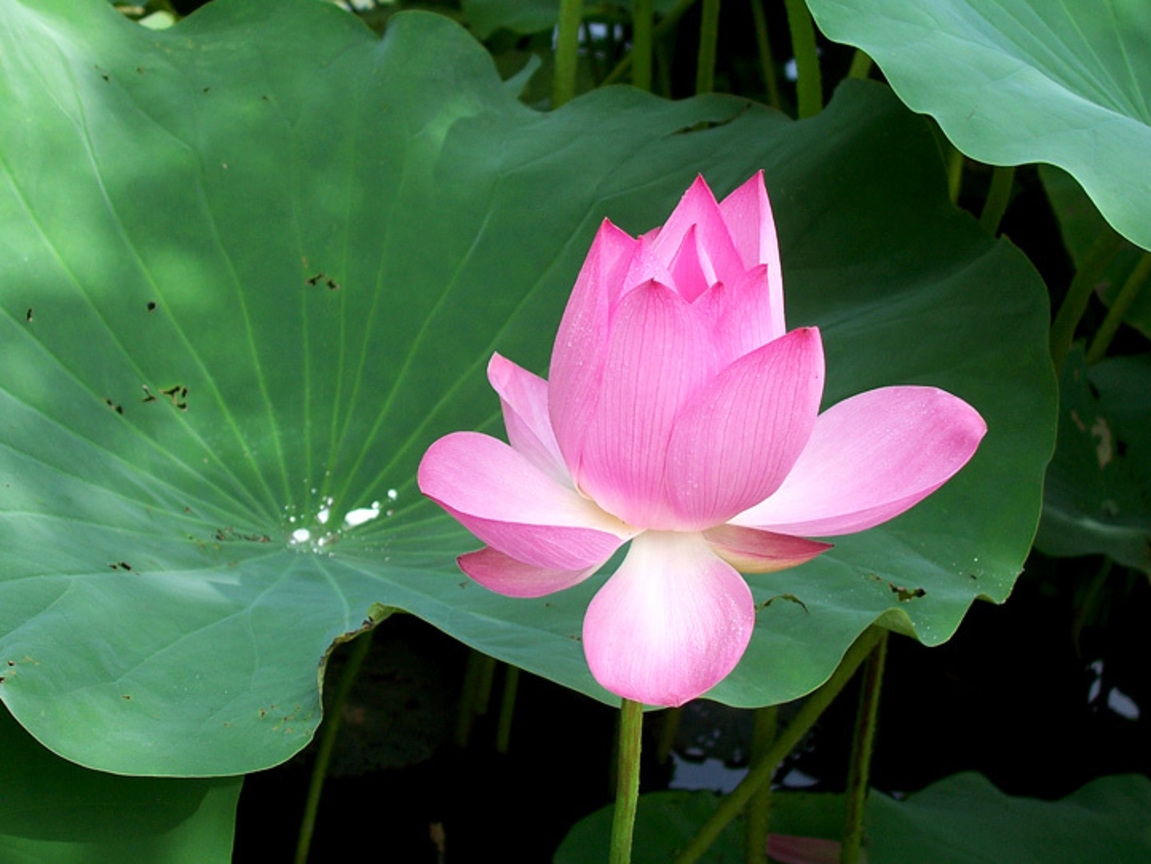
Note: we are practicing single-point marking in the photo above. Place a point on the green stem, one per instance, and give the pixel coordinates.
(643, 22)
(997, 197)
(666, 23)
(763, 769)
(857, 776)
(1119, 309)
(592, 54)
(667, 730)
(955, 162)
(507, 709)
(808, 83)
(627, 780)
(708, 39)
(328, 731)
(766, 63)
(860, 65)
(567, 52)
(759, 807)
(1071, 310)
(468, 695)
(484, 690)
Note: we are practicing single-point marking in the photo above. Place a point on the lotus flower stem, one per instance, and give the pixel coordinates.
(861, 65)
(1119, 309)
(998, 196)
(766, 63)
(763, 769)
(1102, 251)
(955, 162)
(708, 39)
(627, 780)
(809, 83)
(857, 777)
(469, 695)
(507, 708)
(642, 17)
(666, 23)
(667, 730)
(758, 819)
(328, 732)
(567, 51)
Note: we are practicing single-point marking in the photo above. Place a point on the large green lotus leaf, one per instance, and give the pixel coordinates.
(252, 266)
(962, 819)
(1081, 225)
(55, 812)
(1098, 493)
(1017, 81)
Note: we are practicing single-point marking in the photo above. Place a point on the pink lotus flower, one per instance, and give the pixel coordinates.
(682, 416)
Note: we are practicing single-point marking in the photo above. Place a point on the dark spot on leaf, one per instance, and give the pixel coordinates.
(126, 696)
(151, 306)
(149, 397)
(206, 89)
(28, 314)
(11, 662)
(1, 679)
(140, 69)
(972, 576)
(905, 594)
(263, 713)
(315, 280)
(178, 393)
(463, 584)
(332, 284)
(1120, 446)
(575, 638)
(119, 409)
(265, 97)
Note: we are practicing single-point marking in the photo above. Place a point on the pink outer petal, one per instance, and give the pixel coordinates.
(870, 458)
(698, 208)
(659, 356)
(581, 343)
(670, 624)
(502, 498)
(747, 213)
(512, 578)
(524, 399)
(736, 441)
(752, 551)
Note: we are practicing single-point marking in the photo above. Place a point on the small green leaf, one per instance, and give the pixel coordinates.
(55, 812)
(1098, 493)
